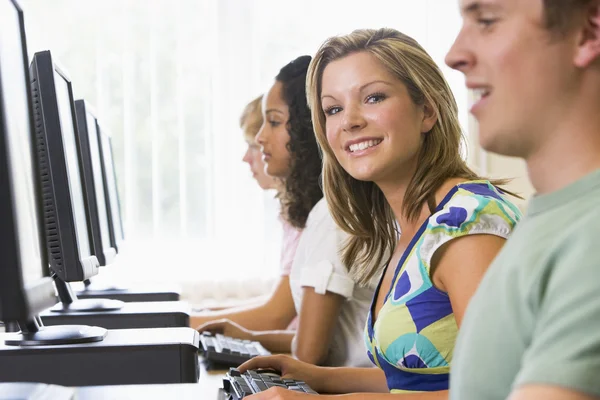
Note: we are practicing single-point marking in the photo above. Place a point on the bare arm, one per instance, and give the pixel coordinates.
(310, 343)
(459, 275)
(319, 315)
(322, 379)
(274, 314)
(285, 394)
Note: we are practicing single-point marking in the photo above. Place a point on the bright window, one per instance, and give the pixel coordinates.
(169, 79)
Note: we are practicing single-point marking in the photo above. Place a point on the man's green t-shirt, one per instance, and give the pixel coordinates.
(535, 318)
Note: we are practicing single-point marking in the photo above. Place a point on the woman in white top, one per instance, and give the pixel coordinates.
(331, 308)
(318, 269)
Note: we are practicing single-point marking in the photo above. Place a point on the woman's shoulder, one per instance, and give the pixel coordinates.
(471, 203)
(319, 214)
(320, 224)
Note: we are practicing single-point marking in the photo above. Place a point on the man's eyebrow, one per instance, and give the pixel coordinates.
(477, 6)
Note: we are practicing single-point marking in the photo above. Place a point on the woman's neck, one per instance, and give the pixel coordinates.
(394, 194)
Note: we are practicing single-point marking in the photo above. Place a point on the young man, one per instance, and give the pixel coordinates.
(532, 331)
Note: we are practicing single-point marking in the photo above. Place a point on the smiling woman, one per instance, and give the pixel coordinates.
(417, 217)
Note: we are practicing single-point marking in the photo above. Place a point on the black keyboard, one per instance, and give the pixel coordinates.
(238, 385)
(229, 352)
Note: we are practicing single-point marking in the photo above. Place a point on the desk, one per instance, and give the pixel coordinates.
(209, 387)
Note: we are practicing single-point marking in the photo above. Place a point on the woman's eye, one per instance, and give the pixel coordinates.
(274, 124)
(332, 110)
(375, 98)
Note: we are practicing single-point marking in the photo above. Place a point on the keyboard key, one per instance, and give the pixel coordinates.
(260, 386)
(273, 384)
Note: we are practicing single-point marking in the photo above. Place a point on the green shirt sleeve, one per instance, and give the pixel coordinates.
(564, 348)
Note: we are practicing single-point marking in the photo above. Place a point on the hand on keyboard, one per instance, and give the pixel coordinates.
(280, 394)
(261, 384)
(288, 367)
(227, 328)
(220, 350)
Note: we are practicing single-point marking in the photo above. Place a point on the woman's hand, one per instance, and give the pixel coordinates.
(289, 368)
(227, 328)
(278, 393)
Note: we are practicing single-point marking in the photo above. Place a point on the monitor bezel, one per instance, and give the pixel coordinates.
(116, 240)
(75, 268)
(17, 302)
(105, 252)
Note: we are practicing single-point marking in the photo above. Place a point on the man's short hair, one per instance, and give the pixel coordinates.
(558, 14)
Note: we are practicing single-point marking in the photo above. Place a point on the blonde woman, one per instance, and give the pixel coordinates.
(417, 216)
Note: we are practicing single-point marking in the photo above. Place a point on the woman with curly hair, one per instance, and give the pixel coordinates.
(331, 308)
(262, 312)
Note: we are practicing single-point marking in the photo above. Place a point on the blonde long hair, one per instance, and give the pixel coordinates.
(358, 207)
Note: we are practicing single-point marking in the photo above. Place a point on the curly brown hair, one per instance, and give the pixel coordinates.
(302, 186)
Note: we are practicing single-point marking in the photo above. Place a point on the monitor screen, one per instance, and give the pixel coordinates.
(113, 193)
(98, 181)
(17, 120)
(66, 113)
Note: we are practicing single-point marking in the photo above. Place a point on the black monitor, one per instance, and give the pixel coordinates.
(68, 238)
(111, 189)
(89, 151)
(65, 212)
(25, 285)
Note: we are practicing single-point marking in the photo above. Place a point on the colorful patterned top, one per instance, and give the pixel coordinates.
(413, 339)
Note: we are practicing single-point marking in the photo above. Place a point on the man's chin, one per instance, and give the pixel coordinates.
(491, 139)
(500, 144)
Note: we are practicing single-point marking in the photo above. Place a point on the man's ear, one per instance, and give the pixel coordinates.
(588, 50)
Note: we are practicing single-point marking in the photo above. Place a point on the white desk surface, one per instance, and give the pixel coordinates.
(209, 387)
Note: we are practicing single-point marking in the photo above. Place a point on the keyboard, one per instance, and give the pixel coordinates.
(238, 385)
(229, 352)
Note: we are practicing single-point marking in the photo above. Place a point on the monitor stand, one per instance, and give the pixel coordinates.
(34, 333)
(89, 286)
(140, 292)
(69, 303)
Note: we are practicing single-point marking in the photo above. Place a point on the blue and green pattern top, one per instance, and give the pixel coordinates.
(413, 339)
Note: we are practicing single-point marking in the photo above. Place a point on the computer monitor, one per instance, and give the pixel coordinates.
(89, 151)
(68, 238)
(67, 219)
(111, 189)
(25, 285)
